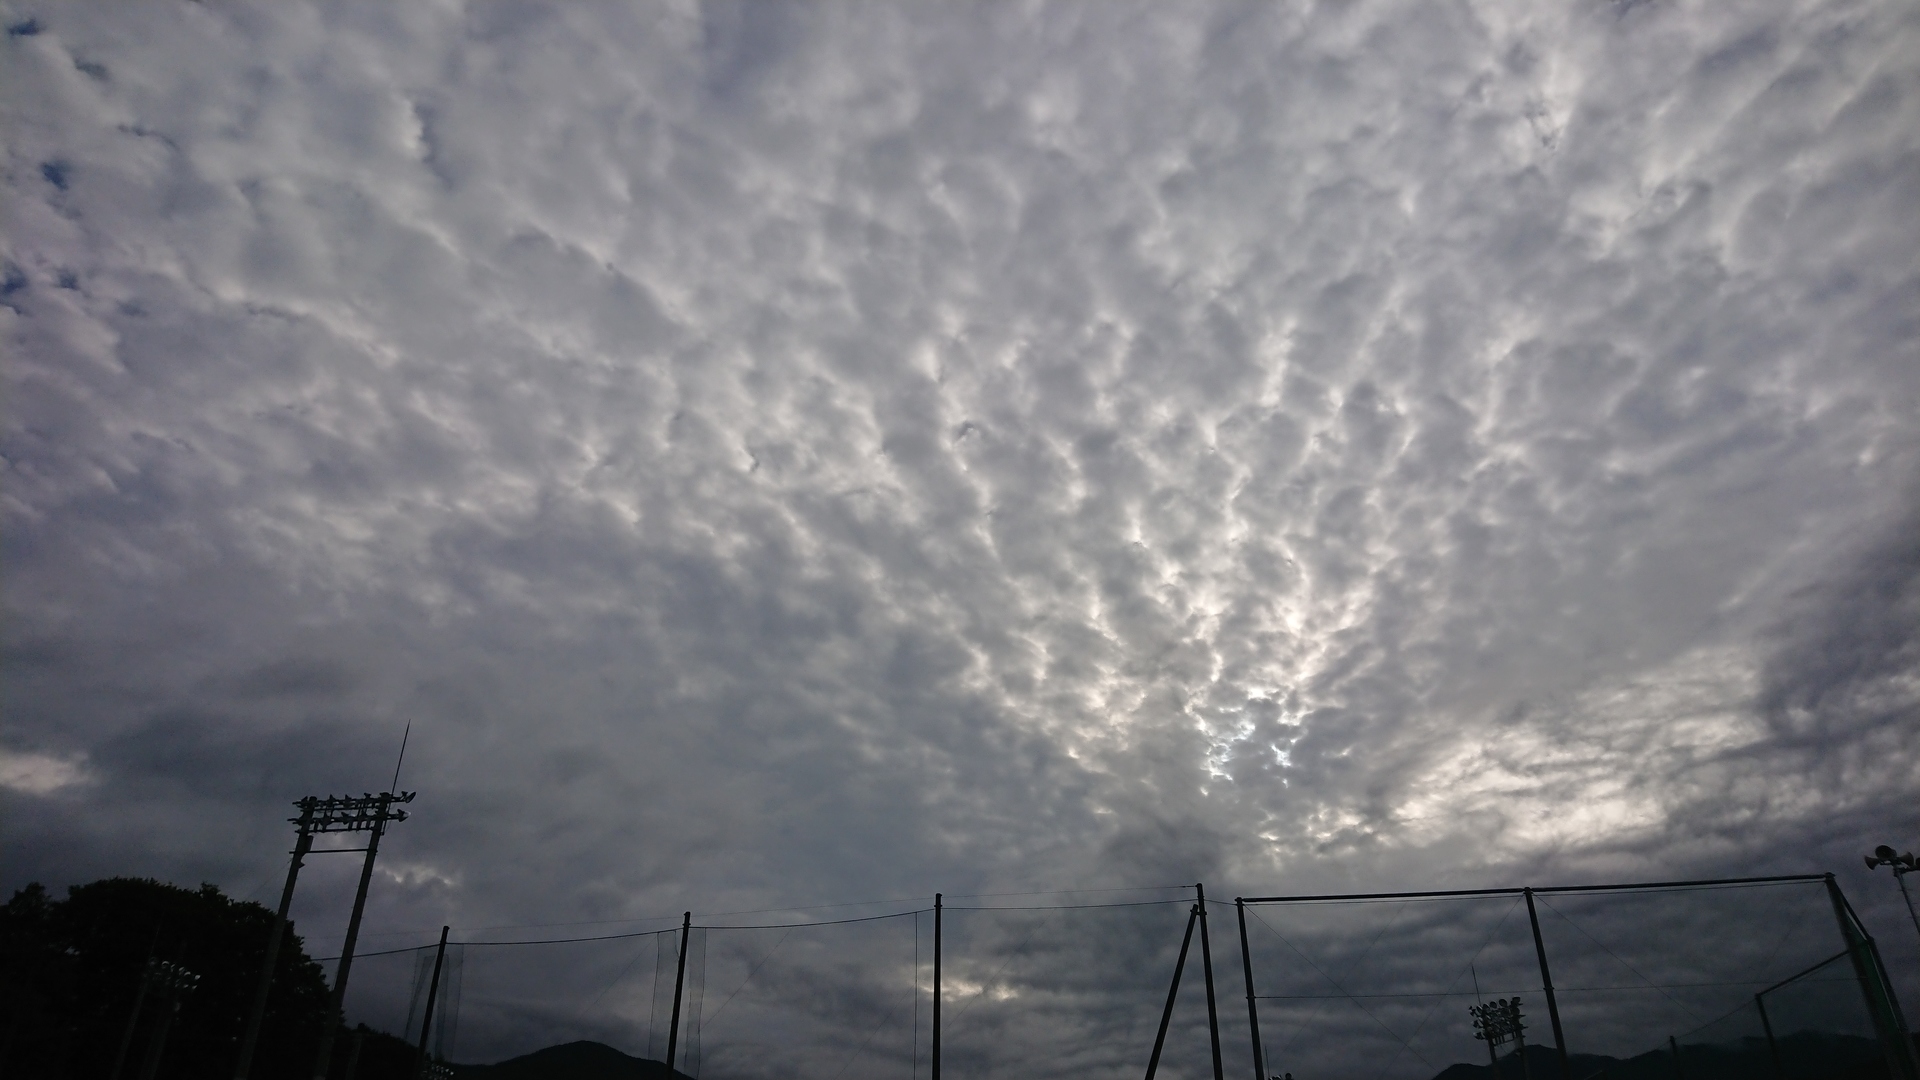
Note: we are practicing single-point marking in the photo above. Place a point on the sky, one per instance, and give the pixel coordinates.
(785, 455)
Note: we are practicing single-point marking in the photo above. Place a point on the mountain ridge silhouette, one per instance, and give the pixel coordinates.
(579, 1060)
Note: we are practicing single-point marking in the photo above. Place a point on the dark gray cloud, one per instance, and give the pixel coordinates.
(780, 456)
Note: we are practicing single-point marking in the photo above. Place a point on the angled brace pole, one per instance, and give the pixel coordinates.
(1766, 1028)
(258, 1013)
(1889, 1026)
(1253, 1014)
(1546, 984)
(1166, 1016)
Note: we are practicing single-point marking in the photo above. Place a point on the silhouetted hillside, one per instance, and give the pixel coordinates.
(571, 1061)
(1805, 1053)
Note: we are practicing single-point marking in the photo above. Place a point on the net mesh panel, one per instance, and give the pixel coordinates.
(666, 954)
(1079, 991)
(446, 1005)
(1037, 992)
(417, 999)
(808, 1001)
(1820, 1026)
(693, 1000)
(1378, 989)
(1388, 983)
(446, 1020)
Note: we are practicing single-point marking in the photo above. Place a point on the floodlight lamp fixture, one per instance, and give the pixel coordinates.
(1498, 1021)
(349, 813)
(174, 980)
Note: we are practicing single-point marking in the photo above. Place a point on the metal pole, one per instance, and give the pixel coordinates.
(1888, 1024)
(251, 1037)
(157, 1042)
(1246, 966)
(679, 984)
(1674, 1045)
(1520, 1045)
(323, 1061)
(934, 1069)
(1206, 966)
(1766, 1027)
(433, 991)
(139, 999)
(353, 1053)
(1902, 879)
(1166, 1015)
(1546, 984)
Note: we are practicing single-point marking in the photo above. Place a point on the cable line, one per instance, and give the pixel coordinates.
(1068, 907)
(1491, 934)
(751, 972)
(827, 922)
(1343, 990)
(1603, 948)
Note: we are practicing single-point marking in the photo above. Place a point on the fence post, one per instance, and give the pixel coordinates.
(1253, 1014)
(433, 992)
(1206, 968)
(934, 1071)
(679, 984)
(1875, 988)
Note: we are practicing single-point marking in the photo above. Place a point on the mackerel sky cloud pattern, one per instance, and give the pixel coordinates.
(792, 453)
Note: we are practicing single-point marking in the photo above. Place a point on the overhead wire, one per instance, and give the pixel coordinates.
(1067, 907)
(1622, 960)
(1335, 983)
(1491, 934)
(752, 926)
(751, 972)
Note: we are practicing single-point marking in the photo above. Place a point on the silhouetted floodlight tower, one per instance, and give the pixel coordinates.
(366, 813)
(1500, 1022)
(172, 982)
(369, 814)
(1902, 866)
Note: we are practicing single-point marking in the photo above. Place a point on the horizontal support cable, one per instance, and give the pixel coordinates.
(1437, 894)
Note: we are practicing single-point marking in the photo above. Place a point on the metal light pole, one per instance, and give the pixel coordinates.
(301, 846)
(1902, 866)
(174, 982)
(369, 814)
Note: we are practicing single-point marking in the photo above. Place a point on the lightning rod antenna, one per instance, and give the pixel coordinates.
(395, 787)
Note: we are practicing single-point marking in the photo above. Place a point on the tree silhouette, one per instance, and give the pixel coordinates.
(71, 972)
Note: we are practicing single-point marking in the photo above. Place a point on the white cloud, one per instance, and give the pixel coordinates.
(40, 774)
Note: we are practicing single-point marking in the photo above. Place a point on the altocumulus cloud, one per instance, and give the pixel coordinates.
(783, 454)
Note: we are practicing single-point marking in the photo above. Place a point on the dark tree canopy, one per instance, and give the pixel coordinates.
(71, 971)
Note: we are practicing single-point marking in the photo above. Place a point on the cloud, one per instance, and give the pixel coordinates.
(785, 456)
(40, 774)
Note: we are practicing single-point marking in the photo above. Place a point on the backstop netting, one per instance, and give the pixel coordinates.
(1713, 979)
(1645, 979)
